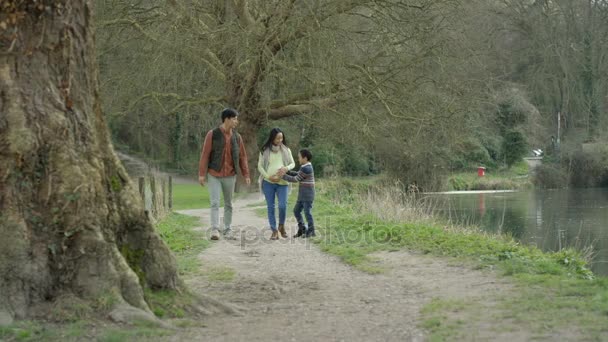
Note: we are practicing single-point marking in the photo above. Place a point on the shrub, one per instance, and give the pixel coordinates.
(514, 147)
(457, 183)
(470, 153)
(550, 176)
(589, 169)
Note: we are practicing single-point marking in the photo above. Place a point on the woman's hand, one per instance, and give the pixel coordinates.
(274, 178)
(282, 171)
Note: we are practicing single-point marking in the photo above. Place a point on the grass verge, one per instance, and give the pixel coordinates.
(186, 244)
(193, 196)
(141, 333)
(190, 196)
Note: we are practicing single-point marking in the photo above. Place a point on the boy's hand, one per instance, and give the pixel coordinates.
(282, 171)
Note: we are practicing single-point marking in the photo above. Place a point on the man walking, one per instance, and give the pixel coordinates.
(223, 154)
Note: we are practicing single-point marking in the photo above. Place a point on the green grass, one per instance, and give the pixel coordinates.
(134, 334)
(190, 196)
(27, 331)
(170, 304)
(554, 301)
(186, 243)
(555, 289)
(439, 318)
(38, 331)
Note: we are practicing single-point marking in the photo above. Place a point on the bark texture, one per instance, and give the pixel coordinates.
(71, 221)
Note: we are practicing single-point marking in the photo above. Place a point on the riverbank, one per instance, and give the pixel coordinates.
(552, 290)
(515, 178)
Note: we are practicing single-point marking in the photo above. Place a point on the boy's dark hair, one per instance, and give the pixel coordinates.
(229, 113)
(306, 154)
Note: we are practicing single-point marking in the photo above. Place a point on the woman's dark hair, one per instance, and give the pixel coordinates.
(273, 134)
(306, 154)
(229, 113)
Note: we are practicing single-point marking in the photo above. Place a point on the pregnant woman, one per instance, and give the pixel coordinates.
(275, 160)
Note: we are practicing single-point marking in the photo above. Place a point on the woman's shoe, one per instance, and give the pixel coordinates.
(275, 235)
(282, 231)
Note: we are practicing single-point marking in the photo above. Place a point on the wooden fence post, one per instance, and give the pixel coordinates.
(163, 183)
(154, 208)
(142, 190)
(170, 193)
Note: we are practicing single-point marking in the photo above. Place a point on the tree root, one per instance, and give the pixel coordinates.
(207, 306)
(127, 314)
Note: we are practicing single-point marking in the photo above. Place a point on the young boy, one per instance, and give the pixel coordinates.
(306, 194)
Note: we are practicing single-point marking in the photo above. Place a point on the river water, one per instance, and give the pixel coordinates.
(548, 219)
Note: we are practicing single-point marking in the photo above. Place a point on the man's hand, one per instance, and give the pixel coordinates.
(247, 181)
(201, 180)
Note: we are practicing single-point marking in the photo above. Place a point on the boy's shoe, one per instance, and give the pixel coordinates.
(310, 232)
(275, 235)
(215, 235)
(301, 230)
(282, 231)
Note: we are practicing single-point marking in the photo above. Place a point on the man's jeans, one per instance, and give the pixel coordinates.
(226, 186)
(270, 191)
(307, 207)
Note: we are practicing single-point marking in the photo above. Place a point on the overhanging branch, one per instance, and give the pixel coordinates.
(290, 110)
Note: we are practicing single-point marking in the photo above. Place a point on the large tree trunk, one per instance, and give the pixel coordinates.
(249, 131)
(71, 222)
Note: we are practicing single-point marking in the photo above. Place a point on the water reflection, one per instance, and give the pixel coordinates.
(549, 219)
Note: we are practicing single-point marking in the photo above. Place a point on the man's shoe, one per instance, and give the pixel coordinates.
(301, 230)
(229, 235)
(215, 235)
(282, 231)
(275, 235)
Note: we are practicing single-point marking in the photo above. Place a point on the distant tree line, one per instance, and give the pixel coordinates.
(415, 89)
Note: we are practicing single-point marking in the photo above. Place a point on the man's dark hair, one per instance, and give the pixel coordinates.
(306, 154)
(229, 113)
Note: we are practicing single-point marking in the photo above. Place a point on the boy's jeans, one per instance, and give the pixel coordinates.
(226, 186)
(271, 190)
(307, 207)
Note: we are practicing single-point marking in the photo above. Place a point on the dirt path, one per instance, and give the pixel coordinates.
(291, 291)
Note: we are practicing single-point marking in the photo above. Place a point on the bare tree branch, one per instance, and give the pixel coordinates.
(290, 110)
(130, 22)
(241, 8)
(172, 96)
